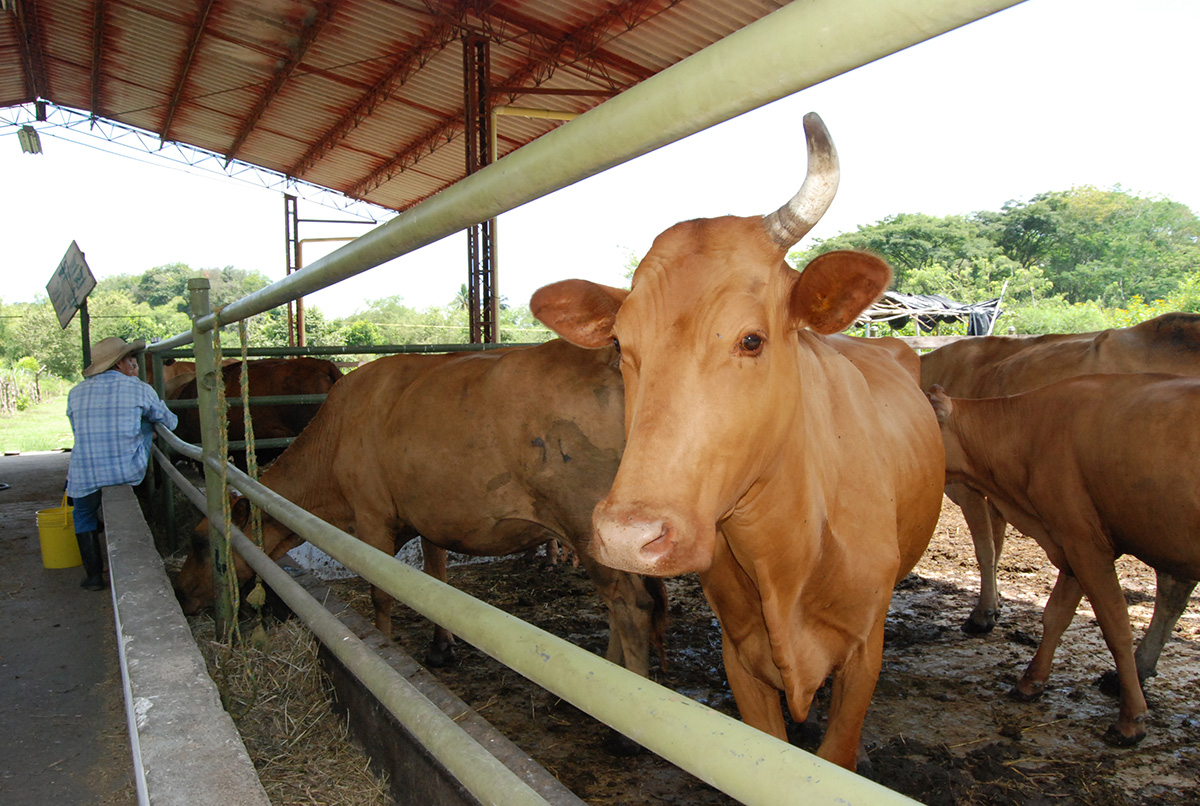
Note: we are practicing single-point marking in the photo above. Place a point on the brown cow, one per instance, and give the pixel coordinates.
(993, 366)
(1091, 467)
(268, 377)
(487, 454)
(171, 369)
(801, 476)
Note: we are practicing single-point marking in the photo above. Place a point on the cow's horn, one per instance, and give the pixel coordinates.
(787, 225)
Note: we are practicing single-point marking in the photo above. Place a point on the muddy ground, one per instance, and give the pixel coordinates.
(941, 728)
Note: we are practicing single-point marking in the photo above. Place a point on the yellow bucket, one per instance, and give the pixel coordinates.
(56, 530)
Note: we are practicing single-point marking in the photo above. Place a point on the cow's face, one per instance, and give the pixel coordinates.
(711, 337)
(194, 584)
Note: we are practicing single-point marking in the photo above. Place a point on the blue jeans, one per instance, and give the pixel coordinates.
(87, 513)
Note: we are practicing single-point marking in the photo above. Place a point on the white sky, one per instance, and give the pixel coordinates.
(1048, 95)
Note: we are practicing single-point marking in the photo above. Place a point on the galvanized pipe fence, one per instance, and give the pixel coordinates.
(741, 761)
(795, 47)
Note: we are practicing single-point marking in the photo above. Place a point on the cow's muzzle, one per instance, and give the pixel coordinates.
(631, 538)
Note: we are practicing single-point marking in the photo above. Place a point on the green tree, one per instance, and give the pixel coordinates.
(361, 334)
(165, 286)
(1102, 245)
(38, 334)
(952, 256)
(229, 284)
(462, 299)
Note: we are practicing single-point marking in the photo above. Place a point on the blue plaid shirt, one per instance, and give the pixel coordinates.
(112, 415)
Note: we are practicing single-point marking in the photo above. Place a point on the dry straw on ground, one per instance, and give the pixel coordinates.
(281, 702)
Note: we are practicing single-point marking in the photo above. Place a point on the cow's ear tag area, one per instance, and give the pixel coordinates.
(942, 405)
(835, 288)
(581, 312)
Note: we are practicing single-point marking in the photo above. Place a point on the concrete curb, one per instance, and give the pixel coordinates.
(186, 749)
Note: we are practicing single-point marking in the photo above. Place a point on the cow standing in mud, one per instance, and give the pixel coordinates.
(486, 453)
(800, 476)
(993, 366)
(1091, 467)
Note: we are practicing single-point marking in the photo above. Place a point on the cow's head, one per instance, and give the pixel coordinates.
(194, 583)
(710, 338)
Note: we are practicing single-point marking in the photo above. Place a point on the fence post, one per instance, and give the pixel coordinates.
(207, 379)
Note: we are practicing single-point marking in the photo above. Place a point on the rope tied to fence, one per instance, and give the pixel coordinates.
(257, 597)
(230, 575)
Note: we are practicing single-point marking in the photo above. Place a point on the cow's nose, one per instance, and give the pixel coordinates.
(631, 542)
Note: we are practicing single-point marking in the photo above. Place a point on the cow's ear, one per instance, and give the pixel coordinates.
(942, 405)
(835, 288)
(581, 312)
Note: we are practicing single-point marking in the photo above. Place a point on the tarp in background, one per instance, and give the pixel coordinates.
(897, 309)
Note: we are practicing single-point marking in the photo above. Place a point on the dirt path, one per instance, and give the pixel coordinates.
(941, 728)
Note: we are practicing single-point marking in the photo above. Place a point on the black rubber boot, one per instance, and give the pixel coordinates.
(89, 550)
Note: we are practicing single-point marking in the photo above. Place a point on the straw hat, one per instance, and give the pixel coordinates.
(107, 352)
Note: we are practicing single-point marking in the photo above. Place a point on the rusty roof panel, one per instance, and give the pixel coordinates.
(361, 96)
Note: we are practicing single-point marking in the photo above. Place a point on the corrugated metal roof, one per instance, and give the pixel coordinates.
(365, 97)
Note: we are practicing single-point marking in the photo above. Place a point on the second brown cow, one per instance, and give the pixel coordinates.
(1092, 468)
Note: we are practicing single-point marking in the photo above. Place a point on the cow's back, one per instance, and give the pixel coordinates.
(989, 366)
(533, 437)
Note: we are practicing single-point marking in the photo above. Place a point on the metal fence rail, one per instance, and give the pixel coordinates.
(474, 767)
(741, 761)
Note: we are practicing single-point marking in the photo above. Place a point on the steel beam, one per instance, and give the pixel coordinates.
(185, 70)
(307, 36)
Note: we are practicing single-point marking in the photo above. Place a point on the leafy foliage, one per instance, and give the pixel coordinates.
(1077, 246)
(1067, 261)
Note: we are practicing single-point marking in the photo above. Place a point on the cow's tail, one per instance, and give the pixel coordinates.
(658, 617)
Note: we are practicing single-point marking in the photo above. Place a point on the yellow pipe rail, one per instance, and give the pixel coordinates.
(745, 763)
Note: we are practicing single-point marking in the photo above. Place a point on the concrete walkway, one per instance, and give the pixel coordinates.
(63, 733)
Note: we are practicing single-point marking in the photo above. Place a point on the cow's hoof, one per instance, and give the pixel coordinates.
(1114, 737)
(439, 657)
(973, 627)
(1020, 695)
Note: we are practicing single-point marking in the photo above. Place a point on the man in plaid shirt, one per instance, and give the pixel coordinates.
(112, 414)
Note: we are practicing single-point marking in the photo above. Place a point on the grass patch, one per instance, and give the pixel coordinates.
(43, 427)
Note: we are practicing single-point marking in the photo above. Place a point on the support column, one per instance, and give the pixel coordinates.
(207, 379)
(295, 308)
(481, 238)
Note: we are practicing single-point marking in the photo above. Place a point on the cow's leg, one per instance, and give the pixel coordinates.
(757, 702)
(441, 650)
(631, 610)
(850, 695)
(382, 602)
(1171, 596)
(1056, 617)
(987, 534)
(1098, 577)
(371, 528)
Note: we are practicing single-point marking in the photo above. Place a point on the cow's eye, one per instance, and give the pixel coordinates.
(751, 344)
(617, 344)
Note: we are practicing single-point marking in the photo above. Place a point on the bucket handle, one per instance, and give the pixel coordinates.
(63, 509)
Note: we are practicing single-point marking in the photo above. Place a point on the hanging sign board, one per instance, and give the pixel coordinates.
(70, 285)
